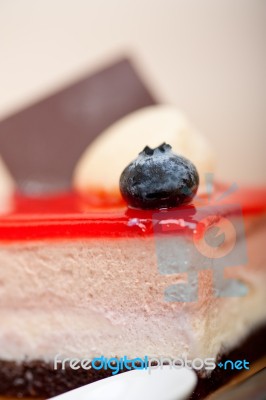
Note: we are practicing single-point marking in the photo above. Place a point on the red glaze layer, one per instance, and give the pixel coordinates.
(69, 215)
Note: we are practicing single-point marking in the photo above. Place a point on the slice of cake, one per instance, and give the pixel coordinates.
(84, 275)
(81, 284)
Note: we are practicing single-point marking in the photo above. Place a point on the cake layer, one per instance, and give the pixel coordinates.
(39, 378)
(107, 296)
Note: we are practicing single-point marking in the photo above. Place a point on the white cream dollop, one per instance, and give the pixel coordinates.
(104, 160)
(7, 188)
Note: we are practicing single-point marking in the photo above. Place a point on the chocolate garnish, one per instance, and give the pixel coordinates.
(42, 143)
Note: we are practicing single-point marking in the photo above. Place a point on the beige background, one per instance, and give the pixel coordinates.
(206, 56)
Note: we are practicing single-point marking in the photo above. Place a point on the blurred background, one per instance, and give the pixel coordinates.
(208, 57)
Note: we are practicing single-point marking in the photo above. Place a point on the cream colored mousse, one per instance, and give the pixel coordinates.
(7, 188)
(92, 297)
(104, 160)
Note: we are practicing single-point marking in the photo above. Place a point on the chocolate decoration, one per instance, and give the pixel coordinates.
(42, 143)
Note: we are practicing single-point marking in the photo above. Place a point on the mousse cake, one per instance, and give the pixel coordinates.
(84, 274)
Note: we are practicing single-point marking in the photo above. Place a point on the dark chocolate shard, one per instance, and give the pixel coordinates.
(42, 143)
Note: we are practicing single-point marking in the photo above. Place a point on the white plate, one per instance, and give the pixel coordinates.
(165, 383)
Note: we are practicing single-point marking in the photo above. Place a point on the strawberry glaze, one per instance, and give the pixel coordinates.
(69, 215)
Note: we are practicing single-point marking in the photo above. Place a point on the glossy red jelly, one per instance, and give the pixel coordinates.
(69, 215)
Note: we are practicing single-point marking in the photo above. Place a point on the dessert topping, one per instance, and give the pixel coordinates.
(159, 178)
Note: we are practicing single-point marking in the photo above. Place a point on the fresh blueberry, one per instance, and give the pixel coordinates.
(159, 178)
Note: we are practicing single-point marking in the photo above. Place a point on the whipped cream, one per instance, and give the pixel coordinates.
(104, 160)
